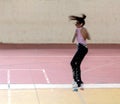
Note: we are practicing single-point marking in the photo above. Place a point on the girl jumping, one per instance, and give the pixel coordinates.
(81, 35)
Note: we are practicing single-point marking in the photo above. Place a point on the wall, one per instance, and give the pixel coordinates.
(46, 21)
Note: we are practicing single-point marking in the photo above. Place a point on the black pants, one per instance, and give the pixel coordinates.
(76, 62)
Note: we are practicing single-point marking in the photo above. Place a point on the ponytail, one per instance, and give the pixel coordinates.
(83, 16)
(79, 19)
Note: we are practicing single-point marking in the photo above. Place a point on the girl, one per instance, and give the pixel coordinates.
(81, 35)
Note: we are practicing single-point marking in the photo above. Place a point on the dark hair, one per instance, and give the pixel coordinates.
(81, 20)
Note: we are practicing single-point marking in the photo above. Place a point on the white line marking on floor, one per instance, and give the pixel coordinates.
(81, 98)
(3, 86)
(34, 86)
(46, 76)
(44, 86)
(100, 66)
(8, 78)
(8, 84)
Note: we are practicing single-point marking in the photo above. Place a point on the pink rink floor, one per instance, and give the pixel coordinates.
(50, 64)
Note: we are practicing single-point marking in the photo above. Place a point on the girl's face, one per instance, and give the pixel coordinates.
(78, 25)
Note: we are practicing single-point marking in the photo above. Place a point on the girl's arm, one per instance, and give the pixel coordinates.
(73, 40)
